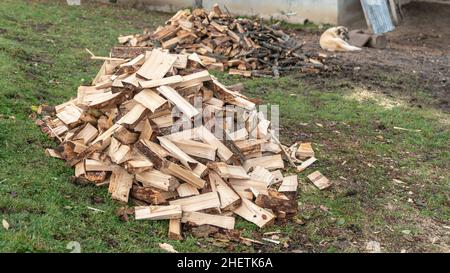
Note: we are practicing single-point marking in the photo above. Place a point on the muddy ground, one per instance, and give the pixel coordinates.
(416, 57)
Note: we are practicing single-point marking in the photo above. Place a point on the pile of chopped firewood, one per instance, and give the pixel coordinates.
(160, 130)
(246, 47)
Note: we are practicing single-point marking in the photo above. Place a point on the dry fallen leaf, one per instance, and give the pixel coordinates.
(167, 247)
(5, 224)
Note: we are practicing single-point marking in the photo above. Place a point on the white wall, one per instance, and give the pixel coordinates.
(293, 11)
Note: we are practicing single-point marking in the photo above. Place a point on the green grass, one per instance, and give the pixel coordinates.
(42, 60)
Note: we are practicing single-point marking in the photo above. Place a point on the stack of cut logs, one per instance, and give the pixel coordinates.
(246, 47)
(223, 160)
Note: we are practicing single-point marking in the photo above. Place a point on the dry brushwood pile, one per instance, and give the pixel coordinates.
(222, 161)
(243, 46)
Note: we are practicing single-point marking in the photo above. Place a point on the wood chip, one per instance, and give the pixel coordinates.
(319, 180)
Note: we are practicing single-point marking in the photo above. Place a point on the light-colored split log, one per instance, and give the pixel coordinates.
(272, 162)
(319, 180)
(87, 134)
(117, 152)
(164, 81)
(156, 65)
(183, 174)
(157, 179)
(247, 184)
(150, 99)
(175, 229)
(228, 171)
(290, 184)
(261, 174)
(120, 184)
(229, 199)
(253, 213)
(157, 212)
(186, 189)
(196, 148)
(277, 176)
(176, 152)
(206, 136)
(305, 150)
(199, 218)
(305, 164)
(134, 115)
(178, 101)
(198, 202)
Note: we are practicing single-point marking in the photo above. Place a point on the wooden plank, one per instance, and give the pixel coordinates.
(120, 184)
(253, 213)
(152, 151)
(199, 218)
(79, 169)
(206, 136)
(290, 184)
(147, 130)
(70, 114)
(272, 162)
(134, 115)
(190, 134)
(228, 171)
(304, 151)
(261, 174)
(195, 58)
(132, 80)
(277, 176)
(99, 100)
(150, 99)
(186, 189)
(305, 164)
(157, 212)
(183, 174)
(319, 180)
(247, 184)
(90, 150)
(270, 147)
(178, 101)
(138, 60)
(250, 146)
(176, 152)
(171, 42)
(157, 179)
(196, 148)
(175, 229)
(159, 82)
(117, 152)
(194, 78)
(198, 202)
(163, 121)
(125, 136)
(229, 199)
(157, 65)
(87, 134)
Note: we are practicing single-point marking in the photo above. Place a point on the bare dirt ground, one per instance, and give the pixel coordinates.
(417, 57)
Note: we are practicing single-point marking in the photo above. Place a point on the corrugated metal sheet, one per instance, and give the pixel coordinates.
(378, 16)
